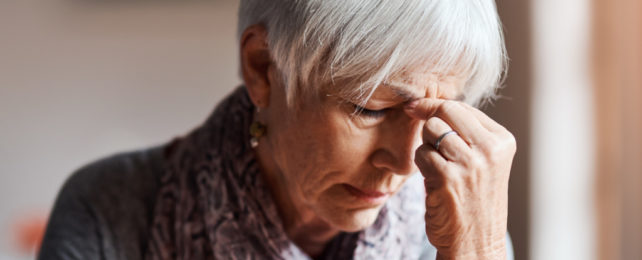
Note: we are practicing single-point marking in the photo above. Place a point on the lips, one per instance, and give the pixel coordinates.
(369, 196)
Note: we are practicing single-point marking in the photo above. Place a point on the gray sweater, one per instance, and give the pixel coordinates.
(104, 209)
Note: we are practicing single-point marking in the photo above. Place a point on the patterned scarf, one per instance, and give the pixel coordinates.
(214, 204)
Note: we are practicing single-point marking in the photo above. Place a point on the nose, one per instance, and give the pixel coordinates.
(398, 140)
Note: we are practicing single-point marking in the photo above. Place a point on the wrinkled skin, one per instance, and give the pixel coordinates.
(317, 147)
(466, 180)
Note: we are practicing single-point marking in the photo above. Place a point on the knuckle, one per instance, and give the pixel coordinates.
(490, 142)
(467, 154)
(507, 142)
(496, 153)
(427, 162)
(442, 168)
(487, 146)
(420, 155)
(498, 147)
(423, 159)
(476, 162)
(433, 123)
(511, 142)
(446, 107)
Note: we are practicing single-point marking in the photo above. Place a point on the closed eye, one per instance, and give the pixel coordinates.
(370, 113)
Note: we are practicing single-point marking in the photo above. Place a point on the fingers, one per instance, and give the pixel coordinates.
(502, 134)
(467, 179)
(432, 166)
(484, 119)
(464, 122)
(452, 147)
(423, 108)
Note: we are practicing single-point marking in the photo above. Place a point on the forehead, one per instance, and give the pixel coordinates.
(401, 86)
(417, 84)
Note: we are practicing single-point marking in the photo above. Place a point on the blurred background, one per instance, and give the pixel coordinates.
(83, 79)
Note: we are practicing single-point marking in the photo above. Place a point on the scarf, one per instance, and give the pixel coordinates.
(214, 204)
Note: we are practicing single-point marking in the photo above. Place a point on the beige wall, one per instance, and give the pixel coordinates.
(83, 79)
(617, 71)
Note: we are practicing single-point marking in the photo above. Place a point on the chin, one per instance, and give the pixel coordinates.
(354, 220)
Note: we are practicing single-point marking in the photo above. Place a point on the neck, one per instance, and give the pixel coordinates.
(311, 236)
(309, 232)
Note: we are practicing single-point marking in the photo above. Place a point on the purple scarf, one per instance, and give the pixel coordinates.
(214, 204)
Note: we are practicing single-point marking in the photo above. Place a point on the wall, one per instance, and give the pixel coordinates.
(616, 69)
(80, 80)
(563, 141)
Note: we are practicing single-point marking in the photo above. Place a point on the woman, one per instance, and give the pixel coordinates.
(346, 105)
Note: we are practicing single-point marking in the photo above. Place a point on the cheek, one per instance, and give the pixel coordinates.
(320, 152)
(343, 155)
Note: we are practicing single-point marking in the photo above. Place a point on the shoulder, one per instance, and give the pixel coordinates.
(117, 185)
(104, 208)
(128, 175)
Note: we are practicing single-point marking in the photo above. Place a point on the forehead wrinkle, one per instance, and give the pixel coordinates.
(401, 91)
(434, 84)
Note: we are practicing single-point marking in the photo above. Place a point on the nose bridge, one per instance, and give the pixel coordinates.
(399, 141)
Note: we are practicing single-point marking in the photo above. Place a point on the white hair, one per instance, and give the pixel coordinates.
(366, 42)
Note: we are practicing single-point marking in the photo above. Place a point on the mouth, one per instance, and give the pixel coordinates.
(373, 197)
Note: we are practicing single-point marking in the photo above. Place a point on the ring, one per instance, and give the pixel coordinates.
(441, 137)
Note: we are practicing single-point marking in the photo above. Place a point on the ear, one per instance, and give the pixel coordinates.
(256, 64)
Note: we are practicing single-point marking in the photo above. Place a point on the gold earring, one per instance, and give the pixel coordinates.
(257, 130)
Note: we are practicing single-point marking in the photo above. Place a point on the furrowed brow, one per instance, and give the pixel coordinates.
(408, 96)
(403, 93)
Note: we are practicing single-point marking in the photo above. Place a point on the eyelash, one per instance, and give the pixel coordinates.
(369, 113)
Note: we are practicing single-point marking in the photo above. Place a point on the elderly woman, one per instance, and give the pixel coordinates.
(346, 105)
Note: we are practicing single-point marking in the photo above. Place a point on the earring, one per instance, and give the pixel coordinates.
(257, 130)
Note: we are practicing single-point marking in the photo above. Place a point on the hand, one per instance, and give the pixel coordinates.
(466, 180)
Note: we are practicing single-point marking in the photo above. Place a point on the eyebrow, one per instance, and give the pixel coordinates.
(403, 93)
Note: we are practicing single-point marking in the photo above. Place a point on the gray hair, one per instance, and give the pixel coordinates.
(366, 42)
